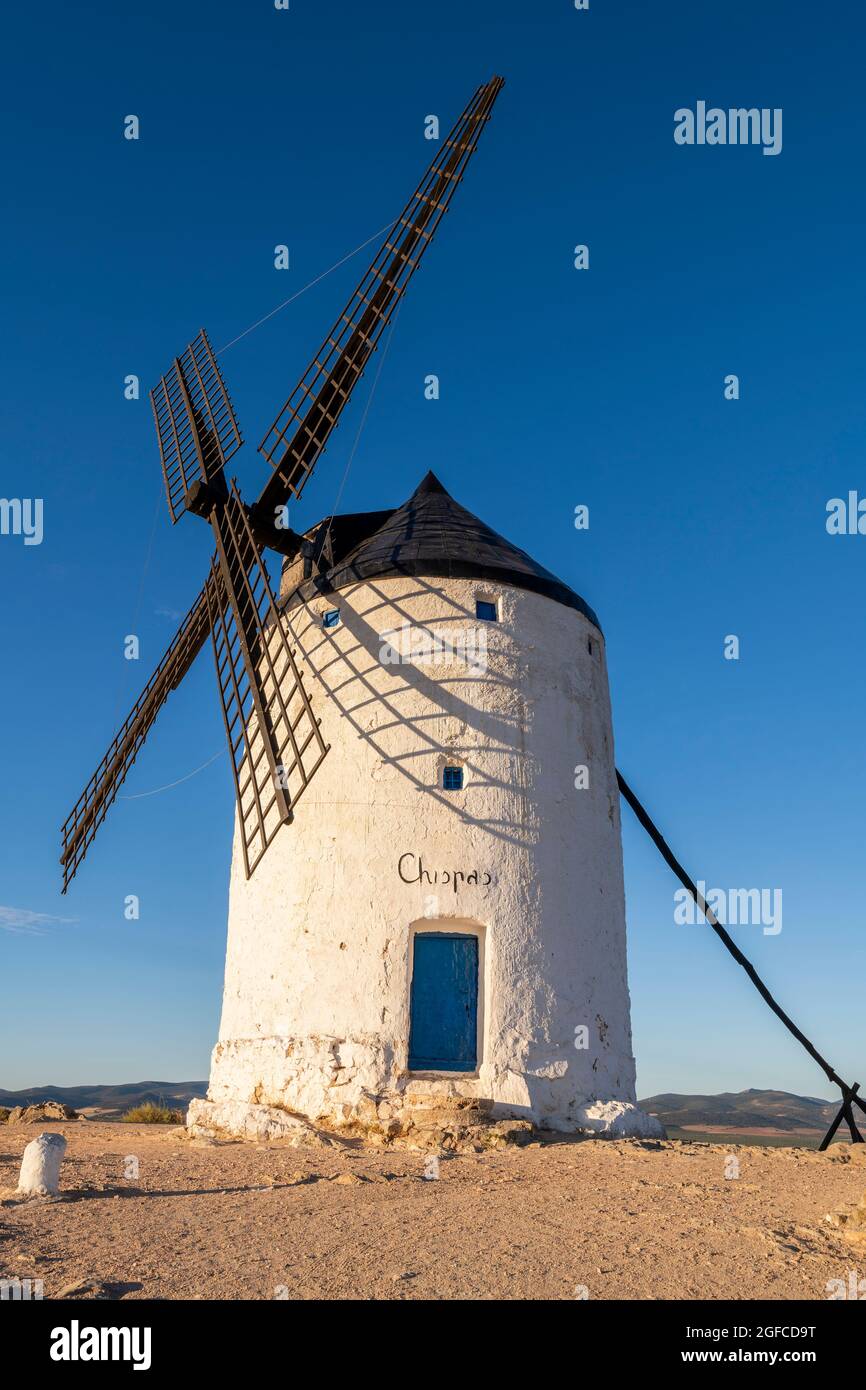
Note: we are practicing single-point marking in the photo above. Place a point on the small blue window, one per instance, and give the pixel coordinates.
(484, 611)
(452, 779)
(331, 618)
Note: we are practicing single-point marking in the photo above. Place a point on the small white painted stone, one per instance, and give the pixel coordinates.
(40, 1165)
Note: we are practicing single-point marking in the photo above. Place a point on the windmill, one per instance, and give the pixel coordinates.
(482, 948)
(274, 737)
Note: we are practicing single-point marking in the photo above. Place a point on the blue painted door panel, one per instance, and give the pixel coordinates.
(444, 1003)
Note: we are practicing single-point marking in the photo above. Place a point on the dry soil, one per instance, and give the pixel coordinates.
(620, 1220)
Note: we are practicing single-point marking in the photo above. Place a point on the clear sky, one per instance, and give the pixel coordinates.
(559, 387)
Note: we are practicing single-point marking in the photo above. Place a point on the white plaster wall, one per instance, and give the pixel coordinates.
(316, 1004)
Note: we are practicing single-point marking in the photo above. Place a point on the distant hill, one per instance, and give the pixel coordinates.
(752, 1111)
(113, 1100)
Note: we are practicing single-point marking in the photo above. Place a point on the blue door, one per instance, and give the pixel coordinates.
(443, 1027)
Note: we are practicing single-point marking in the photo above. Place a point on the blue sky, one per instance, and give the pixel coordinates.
(559, 387)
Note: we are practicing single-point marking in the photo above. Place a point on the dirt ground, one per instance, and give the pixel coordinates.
(255, 1221)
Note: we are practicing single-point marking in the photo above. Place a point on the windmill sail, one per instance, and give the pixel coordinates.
(274, 738)
(92, 806)
(196, 425)
(302, 428)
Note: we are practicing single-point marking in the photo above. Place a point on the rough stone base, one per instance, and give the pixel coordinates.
(448, 1124)
(269, 1086)
(445, 1127)
(207, 1119)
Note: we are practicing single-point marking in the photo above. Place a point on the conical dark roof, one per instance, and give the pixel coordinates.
(431, 535)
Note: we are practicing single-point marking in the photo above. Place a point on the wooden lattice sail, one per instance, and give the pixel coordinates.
(273, 734)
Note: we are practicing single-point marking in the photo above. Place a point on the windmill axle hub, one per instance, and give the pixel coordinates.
(204, 496)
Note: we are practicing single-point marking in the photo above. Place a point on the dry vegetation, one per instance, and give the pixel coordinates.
(153, 1114)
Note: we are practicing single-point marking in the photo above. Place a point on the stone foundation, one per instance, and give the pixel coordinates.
(306, 1089)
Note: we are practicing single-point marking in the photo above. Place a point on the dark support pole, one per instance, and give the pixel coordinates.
(846, 1113)
(849, 1093)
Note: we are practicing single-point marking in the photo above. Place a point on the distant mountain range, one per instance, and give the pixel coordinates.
(752, 1111)
(111, 1100)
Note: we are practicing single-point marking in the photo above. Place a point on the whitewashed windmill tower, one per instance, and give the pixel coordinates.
(446, 916)
(444, 919)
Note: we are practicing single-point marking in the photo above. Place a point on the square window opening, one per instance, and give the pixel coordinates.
(485, 611)
(452, 779)
(331, 618)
